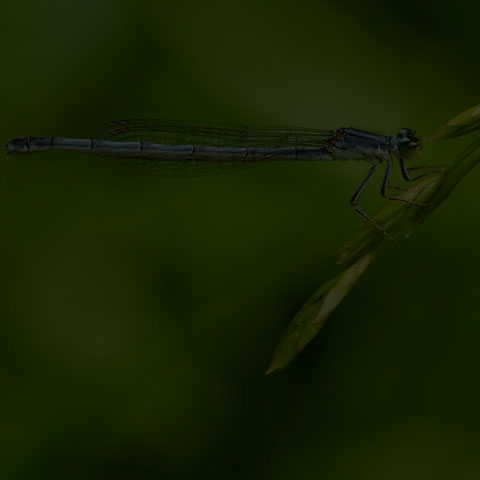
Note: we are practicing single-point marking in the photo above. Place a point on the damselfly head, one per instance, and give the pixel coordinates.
(409, 145)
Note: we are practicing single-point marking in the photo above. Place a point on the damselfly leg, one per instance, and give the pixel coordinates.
(356, 197)
(386, 181)
(386, 184)
(431, 169)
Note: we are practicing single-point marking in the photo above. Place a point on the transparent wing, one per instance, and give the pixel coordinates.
(169, 132)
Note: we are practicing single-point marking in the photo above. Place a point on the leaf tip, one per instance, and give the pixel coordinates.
(275, 365)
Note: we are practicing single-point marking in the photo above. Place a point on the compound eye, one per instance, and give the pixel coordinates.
(404, 133)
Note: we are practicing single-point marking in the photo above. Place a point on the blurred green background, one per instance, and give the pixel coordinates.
(138, 313)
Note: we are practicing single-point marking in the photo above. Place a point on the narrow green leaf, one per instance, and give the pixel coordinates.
(356, 255)
(464, 123)
(394, 217)
(359, 251)
(465, 162)
(313, 315)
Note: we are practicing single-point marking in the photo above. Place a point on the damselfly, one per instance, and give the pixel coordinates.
(184, 148)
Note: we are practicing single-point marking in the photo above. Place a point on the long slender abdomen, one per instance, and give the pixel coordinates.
(158, 152)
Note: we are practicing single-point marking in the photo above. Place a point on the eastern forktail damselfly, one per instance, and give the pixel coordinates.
(184, 148)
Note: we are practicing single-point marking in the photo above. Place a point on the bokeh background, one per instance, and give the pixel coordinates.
(138, 313)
